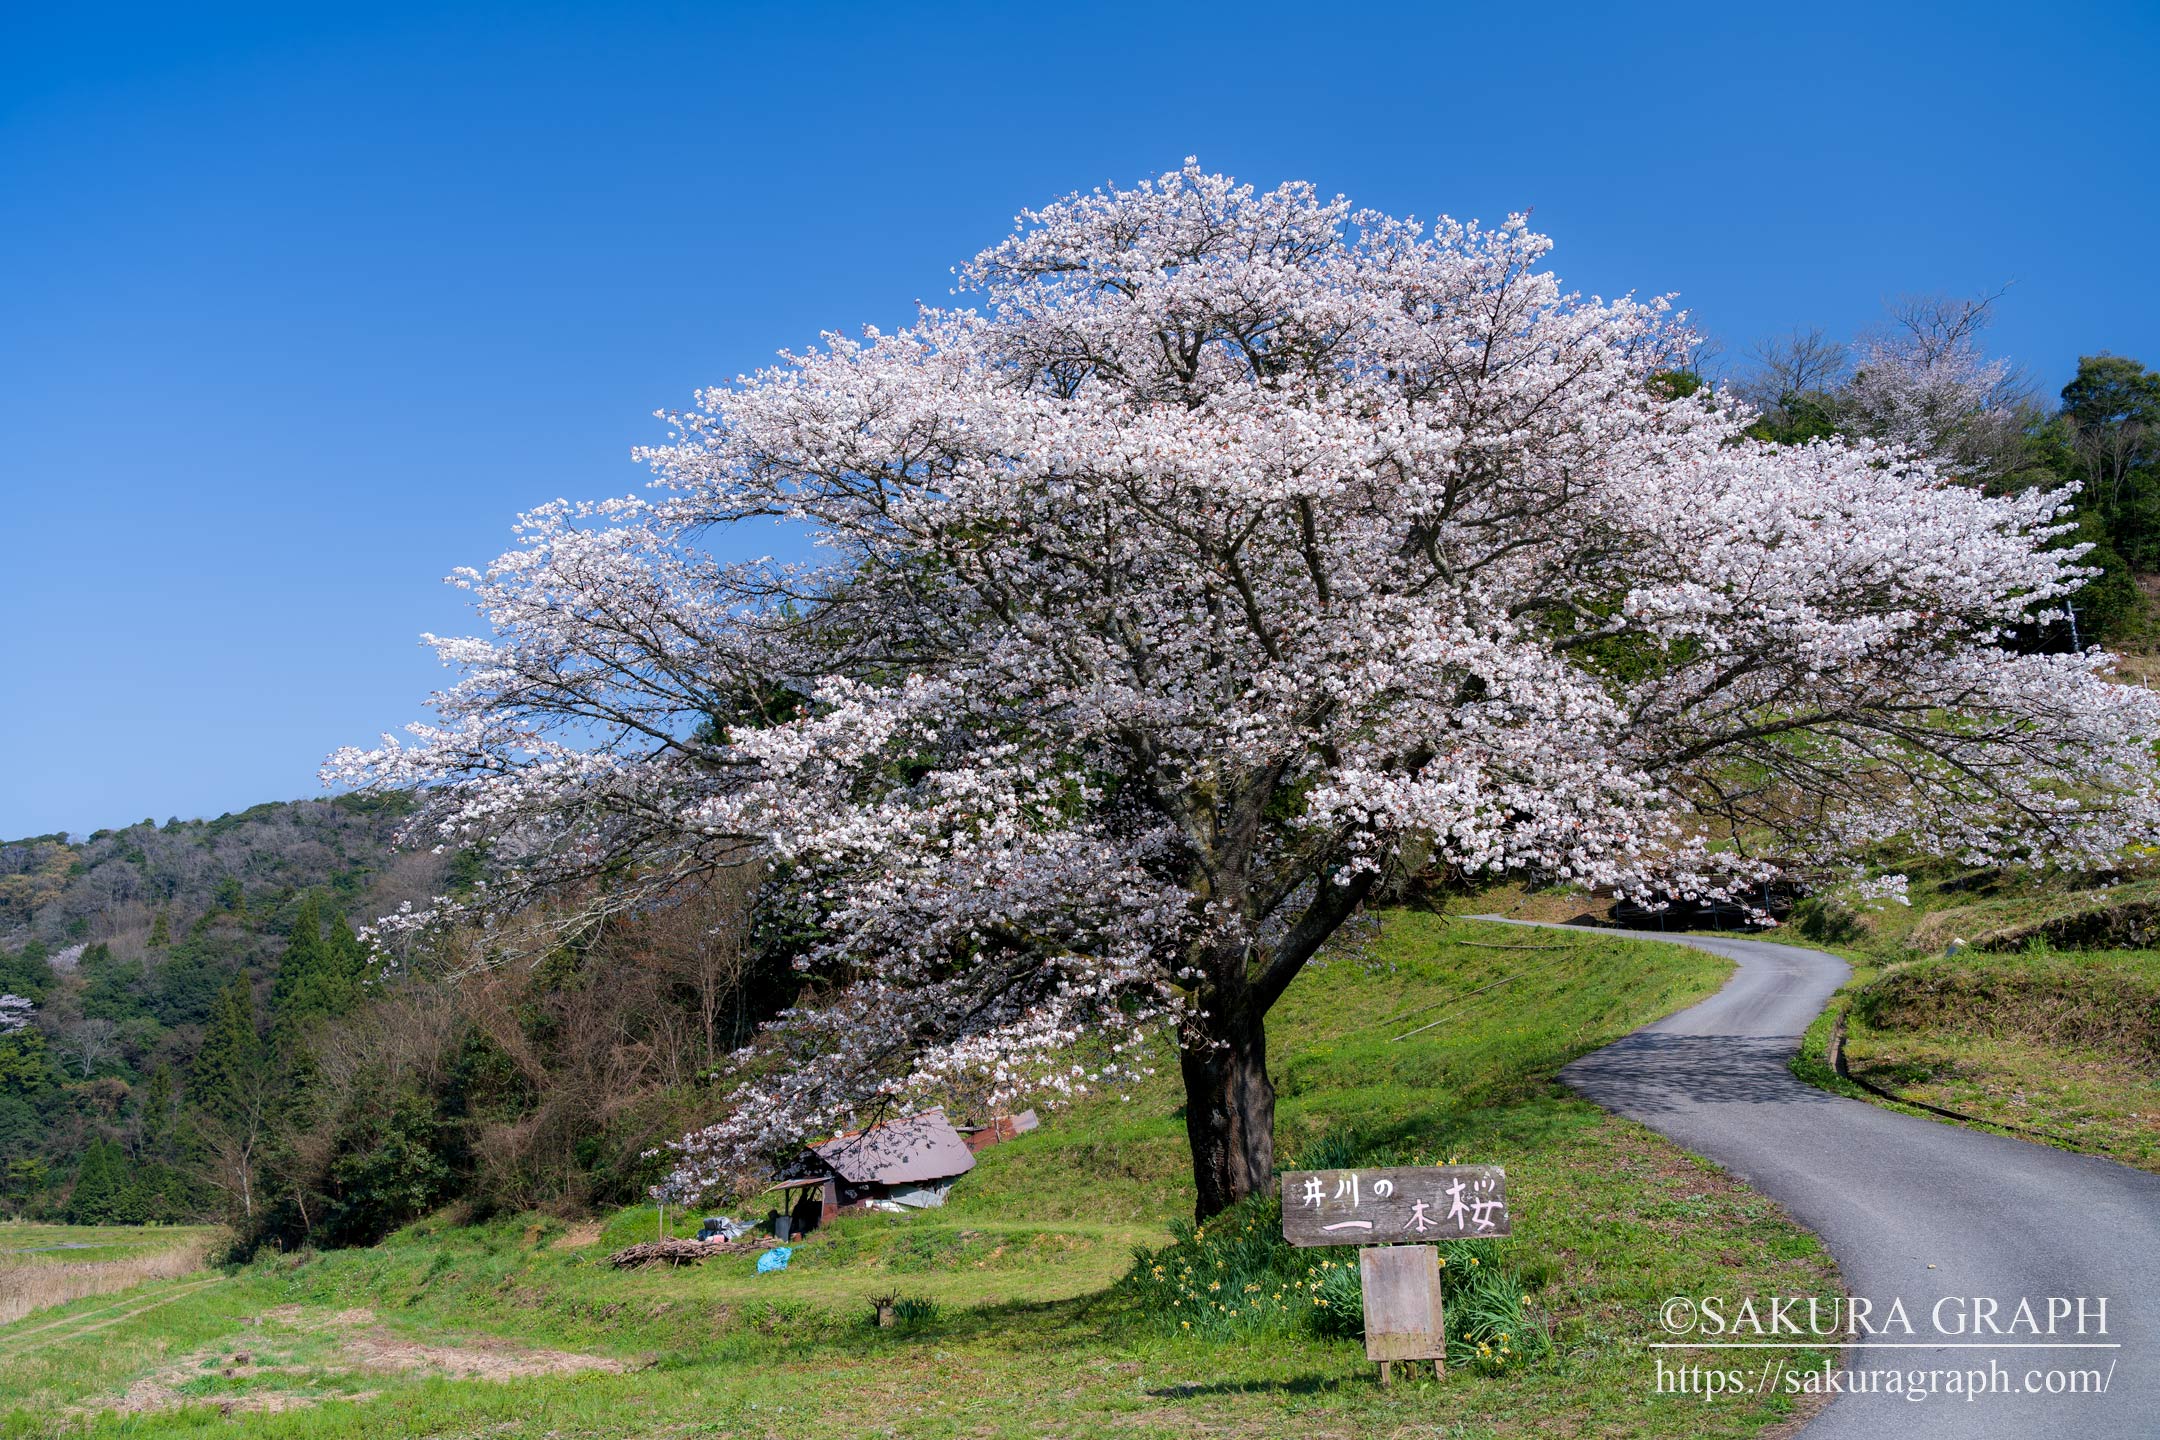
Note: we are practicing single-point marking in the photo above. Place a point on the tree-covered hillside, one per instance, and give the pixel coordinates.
(190, 1028)
(170, 970)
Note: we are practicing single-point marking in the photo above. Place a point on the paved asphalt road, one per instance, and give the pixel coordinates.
(1912, 1209)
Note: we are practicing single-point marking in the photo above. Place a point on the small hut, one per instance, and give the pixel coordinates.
(899, 1165)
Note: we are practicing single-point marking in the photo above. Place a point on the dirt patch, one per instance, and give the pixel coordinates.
(379, 1350)
(256, 1382)
(300, 1317)
(161, 1391)
(1543, 905)
(578, 1236)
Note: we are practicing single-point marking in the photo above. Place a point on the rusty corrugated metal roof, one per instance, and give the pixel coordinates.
(910, 1150)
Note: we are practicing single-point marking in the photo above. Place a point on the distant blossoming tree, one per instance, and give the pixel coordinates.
(1924, 384)
(1920, 382)
(1236, 552)
(16, 1013)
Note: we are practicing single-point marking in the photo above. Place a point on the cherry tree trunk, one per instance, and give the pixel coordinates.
(1229, 1104)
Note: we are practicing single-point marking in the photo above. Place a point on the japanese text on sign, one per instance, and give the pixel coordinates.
(1366, 1207)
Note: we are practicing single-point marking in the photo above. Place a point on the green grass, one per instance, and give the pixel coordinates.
(2062, 1047)
(1995, 910)
(1020, 1328)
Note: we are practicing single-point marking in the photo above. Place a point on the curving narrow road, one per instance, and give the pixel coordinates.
(1912, 1209)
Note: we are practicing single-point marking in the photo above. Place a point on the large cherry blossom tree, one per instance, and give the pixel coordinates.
(1232, 554)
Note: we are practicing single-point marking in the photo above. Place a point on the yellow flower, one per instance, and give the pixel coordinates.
(1186, 1323)
(1473, 1259)
(1214, 1284)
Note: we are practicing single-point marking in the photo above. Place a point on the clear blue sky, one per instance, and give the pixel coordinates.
(299, 305)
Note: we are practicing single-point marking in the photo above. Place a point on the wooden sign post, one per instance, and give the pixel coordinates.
(1381, 1209)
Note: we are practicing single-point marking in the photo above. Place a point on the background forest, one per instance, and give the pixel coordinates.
(196, 1032)
(209, 1042)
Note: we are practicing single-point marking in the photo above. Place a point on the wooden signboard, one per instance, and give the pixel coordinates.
(1412, 1204)
(1402, 1304)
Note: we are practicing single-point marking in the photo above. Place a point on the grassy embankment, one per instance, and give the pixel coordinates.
(2031, 1024)
(514, 1328)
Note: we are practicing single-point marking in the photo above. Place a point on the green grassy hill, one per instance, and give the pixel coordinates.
(517, 1328)
(2059, 1047)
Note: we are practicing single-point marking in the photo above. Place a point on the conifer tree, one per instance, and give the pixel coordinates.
(231, 1051)
(155, 1117)
(99, 1182)
(349, 959)
(318, 977)
(299, 973)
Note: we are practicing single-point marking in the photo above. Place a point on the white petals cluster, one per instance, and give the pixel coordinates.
(1232, 551)
(16, 1013)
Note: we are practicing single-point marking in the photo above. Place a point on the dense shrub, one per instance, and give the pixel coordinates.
(388, 1174)
(1235, 1276)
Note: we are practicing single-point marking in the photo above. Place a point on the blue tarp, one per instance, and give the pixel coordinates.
(774, 1259)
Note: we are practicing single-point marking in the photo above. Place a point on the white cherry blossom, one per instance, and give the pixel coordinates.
(1232, 554)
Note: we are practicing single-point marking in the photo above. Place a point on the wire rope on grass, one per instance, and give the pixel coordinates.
(1459, 1001)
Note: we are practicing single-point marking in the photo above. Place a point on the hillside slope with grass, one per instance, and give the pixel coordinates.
(2058, 1047)
(2013, 1001)
(1022, 1312)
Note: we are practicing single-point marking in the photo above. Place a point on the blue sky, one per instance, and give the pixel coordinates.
(301, 304)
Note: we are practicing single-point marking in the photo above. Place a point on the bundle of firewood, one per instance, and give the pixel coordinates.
(685, 1252)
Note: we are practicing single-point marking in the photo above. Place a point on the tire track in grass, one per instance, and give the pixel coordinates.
(9, 1350)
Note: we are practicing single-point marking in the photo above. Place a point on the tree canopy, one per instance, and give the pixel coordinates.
(1231, 554)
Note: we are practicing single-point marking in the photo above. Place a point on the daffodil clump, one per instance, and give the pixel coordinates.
(1235, 1277)
(1489, 1325)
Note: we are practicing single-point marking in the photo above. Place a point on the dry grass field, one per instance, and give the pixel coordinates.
(43, 1265)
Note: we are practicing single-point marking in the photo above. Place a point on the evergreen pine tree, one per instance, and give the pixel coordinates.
(299, 974)
(231, 895)
(160, 930)
(155, 1116)
(131, 1198)
(349, 959)
(316, 980)
(224, 1067)
(99, 1181)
